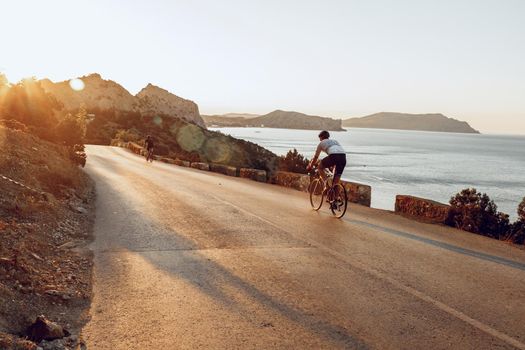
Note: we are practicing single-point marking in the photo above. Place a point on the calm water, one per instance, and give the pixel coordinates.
(425, 164)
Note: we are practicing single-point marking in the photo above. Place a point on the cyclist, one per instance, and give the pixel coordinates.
(148, 143)
(336, 156)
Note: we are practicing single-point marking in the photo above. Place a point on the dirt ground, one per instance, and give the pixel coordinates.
(46, 217)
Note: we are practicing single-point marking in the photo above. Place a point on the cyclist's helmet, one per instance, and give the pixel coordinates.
(324, 135)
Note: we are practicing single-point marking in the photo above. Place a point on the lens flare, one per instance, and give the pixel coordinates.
(217, 150)
(157, 120)
(190, 137)
(77, 84)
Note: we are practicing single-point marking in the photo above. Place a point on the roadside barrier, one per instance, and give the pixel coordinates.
(422, 209)
(43, 194)
(357, 193)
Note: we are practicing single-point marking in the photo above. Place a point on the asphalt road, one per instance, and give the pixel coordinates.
(186, 259)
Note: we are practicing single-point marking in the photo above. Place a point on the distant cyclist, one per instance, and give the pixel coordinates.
(148, 143)
(336, 156)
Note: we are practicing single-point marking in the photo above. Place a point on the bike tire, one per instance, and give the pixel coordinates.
(339, 205)
(316, 193)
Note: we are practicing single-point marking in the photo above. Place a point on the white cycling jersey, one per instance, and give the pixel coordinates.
(330, 146)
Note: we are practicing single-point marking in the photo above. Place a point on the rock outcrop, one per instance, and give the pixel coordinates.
(403, 121)
(97, 94)
(155, 100)
(100, 94)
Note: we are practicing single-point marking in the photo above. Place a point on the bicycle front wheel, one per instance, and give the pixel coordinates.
(339, 202)
(316, 193)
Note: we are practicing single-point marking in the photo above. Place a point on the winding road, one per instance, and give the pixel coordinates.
(186, 259)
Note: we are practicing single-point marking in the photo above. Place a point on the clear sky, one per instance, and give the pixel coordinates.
(337, 58)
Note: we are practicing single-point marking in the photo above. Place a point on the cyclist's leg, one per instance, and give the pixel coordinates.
(340, 164)
(327, 163)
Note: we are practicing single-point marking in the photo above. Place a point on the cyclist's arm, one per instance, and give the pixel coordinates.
(316, 156)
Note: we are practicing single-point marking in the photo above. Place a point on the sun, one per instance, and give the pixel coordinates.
(77, 84)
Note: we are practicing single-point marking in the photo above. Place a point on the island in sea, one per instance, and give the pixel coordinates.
(276, 119)
(404, 121)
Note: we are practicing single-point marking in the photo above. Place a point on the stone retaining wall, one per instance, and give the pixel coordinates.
(253, 174)
(422, 209)
(223, 169)
(200, 166)
(358, 193)
(296, 181)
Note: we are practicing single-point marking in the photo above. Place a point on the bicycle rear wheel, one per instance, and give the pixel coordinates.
(316, 193)
(340, 200)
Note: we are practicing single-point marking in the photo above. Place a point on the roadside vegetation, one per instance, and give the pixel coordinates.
(475, 212)
(176, 138)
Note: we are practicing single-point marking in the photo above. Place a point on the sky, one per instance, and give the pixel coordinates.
(334, 58)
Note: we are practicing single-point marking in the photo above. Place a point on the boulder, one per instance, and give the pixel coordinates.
(422, 209)
(43, 329)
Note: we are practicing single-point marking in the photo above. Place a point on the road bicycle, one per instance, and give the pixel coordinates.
(149, 155)
(335, 195)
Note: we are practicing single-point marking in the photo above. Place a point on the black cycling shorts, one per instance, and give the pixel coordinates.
(337, 159)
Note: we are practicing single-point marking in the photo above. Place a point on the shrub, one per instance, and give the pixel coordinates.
(293, 162)
(78, 155)
(517, 231)
(132, 135)
(70, 131)
(475, 212)
(521, 210)
(161, 149)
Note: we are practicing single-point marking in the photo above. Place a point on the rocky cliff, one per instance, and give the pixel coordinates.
(97, 93)
(155, 100)
(100, 94)
(403, 121)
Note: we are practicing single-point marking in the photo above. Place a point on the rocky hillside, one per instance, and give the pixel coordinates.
(45, 220)
(155, 100)
(404, 121)
(99, 94)
(278, 119)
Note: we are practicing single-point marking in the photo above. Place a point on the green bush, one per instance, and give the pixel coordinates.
(517, 231)
(521, 210)
(475, 212)
(293, 162)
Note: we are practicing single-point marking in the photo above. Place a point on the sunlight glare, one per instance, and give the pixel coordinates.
(77, 84)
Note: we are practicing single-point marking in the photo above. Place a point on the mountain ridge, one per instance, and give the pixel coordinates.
(277, 119)
(436, 122)
(102, 94)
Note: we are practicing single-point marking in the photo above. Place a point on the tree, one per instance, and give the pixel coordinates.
(293, 162)
(70, 131)
(517, 232)
(476, 212)
(28, 103)
(521, 210)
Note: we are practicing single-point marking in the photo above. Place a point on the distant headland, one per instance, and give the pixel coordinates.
(276, 119)
(436, 122)
(404, 121)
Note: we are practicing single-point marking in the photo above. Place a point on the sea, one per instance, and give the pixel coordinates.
(431, 165)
